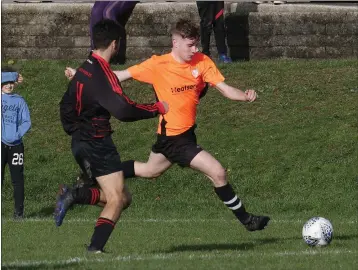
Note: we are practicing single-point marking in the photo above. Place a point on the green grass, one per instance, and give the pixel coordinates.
(185, 244)
(292, 155)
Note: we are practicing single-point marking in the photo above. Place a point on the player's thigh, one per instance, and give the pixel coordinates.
(207, 164)
(126, 196)
(158, 163)
(112, 185)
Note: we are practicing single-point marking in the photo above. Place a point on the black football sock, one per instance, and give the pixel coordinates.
(86, 195)
(128, 169)
(102, 232)
(230, 199)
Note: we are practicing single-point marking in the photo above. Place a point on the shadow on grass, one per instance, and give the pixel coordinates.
(44, 212)
(44, 265)
(212, 247)
(49, 210)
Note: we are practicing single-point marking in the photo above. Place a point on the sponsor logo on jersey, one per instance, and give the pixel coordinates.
(184, 88)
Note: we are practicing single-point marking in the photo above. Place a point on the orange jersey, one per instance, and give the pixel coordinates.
(179, 85)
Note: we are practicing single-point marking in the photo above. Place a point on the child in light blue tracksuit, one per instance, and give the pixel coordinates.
(15, 122)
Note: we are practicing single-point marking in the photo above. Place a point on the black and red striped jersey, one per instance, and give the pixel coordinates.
(92, 96)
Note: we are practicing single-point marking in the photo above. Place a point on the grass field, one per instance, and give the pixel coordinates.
(292, 155)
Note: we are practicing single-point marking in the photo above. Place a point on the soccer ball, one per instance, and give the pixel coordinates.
(317, 231)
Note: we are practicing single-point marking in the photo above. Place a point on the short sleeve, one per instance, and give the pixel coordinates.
(145, 71)
(211, 74)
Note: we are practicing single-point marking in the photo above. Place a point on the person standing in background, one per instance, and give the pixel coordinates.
(15, 123)
(212, 18)
(118, 11)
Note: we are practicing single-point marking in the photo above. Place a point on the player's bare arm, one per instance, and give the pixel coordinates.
(236, 94)
(122, 75)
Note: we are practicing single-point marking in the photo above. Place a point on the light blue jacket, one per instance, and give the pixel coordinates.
(15, 119)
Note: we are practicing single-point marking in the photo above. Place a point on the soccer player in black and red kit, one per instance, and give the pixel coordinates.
(93, 95)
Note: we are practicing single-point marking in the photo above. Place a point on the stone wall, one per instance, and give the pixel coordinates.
(61, 31)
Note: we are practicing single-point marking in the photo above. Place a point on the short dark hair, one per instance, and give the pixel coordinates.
(104, 32)
(186, 29)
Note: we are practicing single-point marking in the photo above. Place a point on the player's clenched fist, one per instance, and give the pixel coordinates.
(250, 95)
(162, 106)
(70, 72)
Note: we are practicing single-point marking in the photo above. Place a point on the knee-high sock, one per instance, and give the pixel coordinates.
(230, 199)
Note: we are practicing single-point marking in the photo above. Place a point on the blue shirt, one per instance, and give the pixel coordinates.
(15, 119)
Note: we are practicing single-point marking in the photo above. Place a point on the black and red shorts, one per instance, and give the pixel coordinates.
(97, 157)
(180, 149)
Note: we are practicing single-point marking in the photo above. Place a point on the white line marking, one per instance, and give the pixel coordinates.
(85, 220)
(165, 256)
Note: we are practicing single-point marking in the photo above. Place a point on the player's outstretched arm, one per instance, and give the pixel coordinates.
(124, 109)
(121, 107)
(236, 94)
(122, 75)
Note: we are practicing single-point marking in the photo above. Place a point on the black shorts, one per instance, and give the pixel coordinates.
(180, 149)
(97, 157)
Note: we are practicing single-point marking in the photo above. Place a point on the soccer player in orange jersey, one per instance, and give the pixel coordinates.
(180, 78)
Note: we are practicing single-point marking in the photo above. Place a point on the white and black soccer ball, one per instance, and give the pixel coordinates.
(317, 231)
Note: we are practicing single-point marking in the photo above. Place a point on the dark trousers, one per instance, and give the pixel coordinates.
(14, 157)
(212, 18)
(119, 11)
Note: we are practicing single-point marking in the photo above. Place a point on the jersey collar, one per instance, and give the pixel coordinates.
(99, 58)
